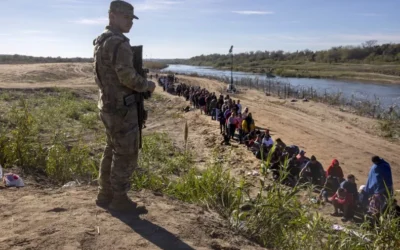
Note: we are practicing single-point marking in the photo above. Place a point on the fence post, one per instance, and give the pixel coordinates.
(284, 90)
(269, 87)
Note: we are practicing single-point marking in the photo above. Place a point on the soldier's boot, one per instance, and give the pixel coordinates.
(122, 203)
(104, 199)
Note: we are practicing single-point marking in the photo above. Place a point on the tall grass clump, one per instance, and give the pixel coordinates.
(159, 162)
(22, 147)
(213, 187)
(277, 217)
(65, 163)
(43, 132)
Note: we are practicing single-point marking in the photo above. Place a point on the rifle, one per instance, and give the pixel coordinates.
(138, 65)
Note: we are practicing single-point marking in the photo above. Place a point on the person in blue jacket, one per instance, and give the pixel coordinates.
(379, 178)
(379, 183)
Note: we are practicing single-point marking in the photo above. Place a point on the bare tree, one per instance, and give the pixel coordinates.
(370, 43)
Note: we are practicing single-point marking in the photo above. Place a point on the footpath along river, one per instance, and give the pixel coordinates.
(388, 94)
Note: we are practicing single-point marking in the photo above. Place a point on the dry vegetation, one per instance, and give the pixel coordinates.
(56, 134)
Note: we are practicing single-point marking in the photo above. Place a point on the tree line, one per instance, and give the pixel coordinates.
(368, 52)
(13, 59)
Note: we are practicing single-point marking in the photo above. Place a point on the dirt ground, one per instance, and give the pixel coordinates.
(52, 218)
(319, 129)
(45, 217)
(67, 219)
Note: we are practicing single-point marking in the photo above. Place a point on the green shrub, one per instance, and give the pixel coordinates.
(27, 137)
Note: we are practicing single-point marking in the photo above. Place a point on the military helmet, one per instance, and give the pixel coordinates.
(122, 7)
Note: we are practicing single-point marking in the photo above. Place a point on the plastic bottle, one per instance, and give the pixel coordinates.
(1, 172)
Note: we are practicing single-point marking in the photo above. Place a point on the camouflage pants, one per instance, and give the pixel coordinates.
(121, 151)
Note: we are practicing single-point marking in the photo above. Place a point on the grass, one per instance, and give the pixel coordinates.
(390, 128)
(276, 218)
(52, 132)
(46, 132)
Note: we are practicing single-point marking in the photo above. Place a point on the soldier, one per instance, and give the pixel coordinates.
(117, 79)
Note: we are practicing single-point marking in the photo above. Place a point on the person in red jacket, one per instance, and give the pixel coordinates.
(335, 170)
(342, 200)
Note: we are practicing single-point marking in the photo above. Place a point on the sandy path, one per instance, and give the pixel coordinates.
(318, 129)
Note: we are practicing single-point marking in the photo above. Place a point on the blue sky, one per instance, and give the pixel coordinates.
(185, 28)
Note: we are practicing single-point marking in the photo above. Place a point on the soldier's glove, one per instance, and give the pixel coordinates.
(151, 86)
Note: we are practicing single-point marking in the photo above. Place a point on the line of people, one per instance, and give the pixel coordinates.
(237, 123)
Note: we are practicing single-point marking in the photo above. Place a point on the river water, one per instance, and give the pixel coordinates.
(388, 94)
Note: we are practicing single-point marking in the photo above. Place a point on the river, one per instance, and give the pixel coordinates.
(388, 94)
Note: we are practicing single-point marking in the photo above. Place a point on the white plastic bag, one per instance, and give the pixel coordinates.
(13, 180)
(70, 184)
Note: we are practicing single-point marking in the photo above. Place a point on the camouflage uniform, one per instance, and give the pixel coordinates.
(116, 78)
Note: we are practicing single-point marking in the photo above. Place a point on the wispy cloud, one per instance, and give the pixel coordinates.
(252, 12)
(156, 5)
(92, 21)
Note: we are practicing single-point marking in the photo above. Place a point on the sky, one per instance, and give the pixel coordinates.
(186, 28)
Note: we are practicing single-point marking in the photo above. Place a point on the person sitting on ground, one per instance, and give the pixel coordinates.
(342, 200)
(280, 145)
(266, 145)
(394, 209)
(254, 145)
(377, 203)
(351, 187)
(267, 140)
(279, 149)
(249, 137)
(301, 159)
(335, 170)
(314, 170)
(330, 187)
